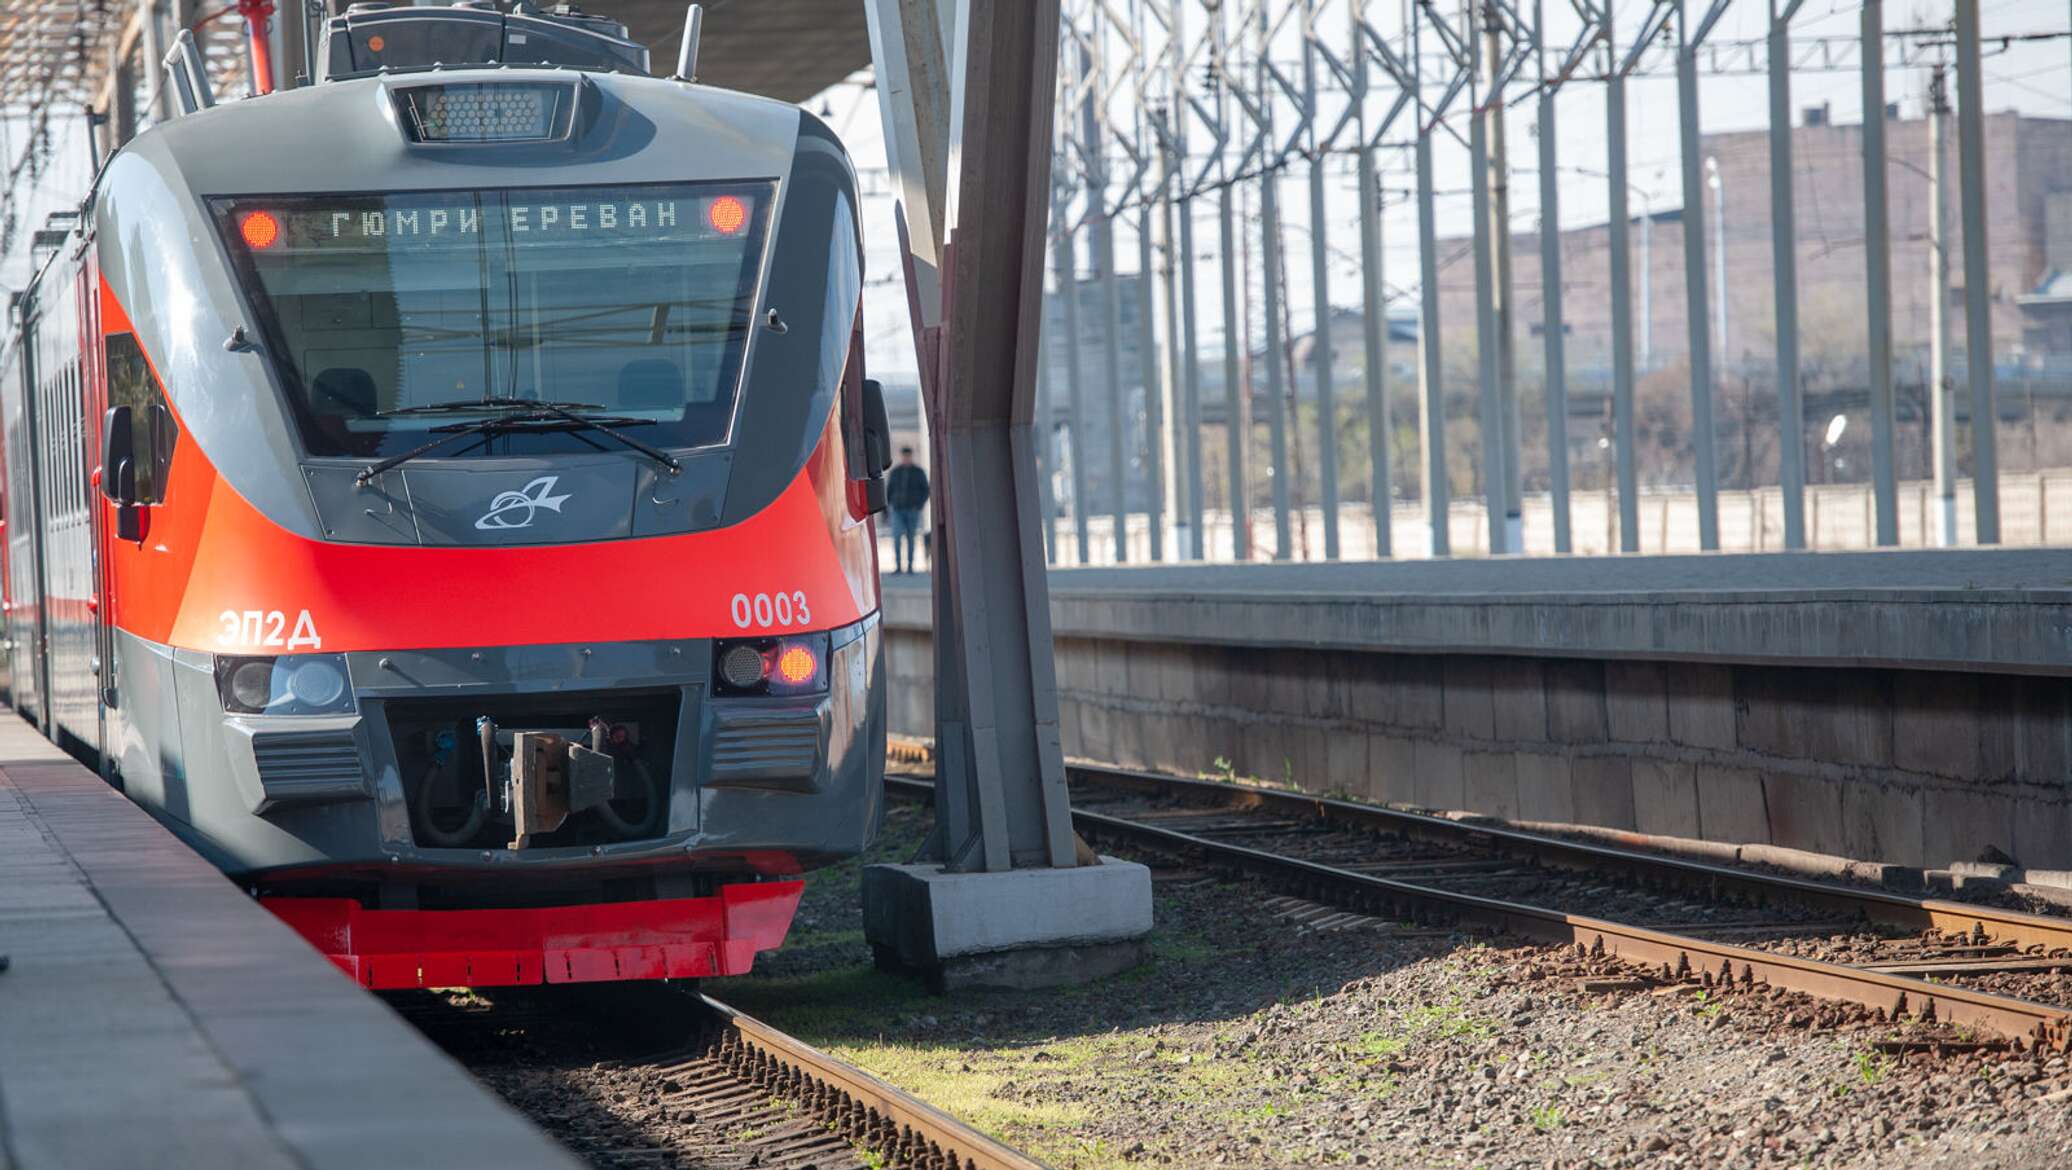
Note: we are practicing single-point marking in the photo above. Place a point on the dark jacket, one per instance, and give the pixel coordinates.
(906, 489)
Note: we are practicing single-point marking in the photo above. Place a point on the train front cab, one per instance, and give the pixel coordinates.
(326, 680)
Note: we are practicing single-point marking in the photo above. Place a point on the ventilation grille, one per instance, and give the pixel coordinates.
(781, 747)
(307, 766)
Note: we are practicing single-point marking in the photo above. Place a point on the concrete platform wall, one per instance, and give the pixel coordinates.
(1910, 766)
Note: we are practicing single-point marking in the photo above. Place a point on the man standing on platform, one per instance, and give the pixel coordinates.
(906, 493)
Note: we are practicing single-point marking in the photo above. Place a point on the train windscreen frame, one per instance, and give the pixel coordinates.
(635, 299)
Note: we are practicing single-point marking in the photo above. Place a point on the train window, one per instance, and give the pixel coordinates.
(131, 384)
(844, 288)
(637, 300)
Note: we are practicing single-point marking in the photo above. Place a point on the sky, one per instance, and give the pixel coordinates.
(2032, 78)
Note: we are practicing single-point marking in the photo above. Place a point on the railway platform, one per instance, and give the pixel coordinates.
(152, 1015)
(1903, 708)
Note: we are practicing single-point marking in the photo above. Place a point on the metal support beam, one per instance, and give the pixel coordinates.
(1000, 774)
(1492, 413)
(1046, 450)
(1877, 263)
(1067, 268)
(1237, 406)
(1551, 324)
(155, 45)
(297, 52)
(1174, 126)
(1237, 413)
(1503, 302)
(1276, 360)
(1621, 263)
(914, 105)
(1177, 279)
(1154, 385)
(1697, 315)
(1320, 292)
(1101, 246)
(121, 111)
(1944, 410)
(1431, 370)
(1978, 279)
(1276, 356)
(1196, 546)
(1374, 322)
(1791, 411)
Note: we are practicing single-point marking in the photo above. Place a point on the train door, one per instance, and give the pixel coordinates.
(94, 404)
(138, 710)
(69, 599)
(25, 634)
(32, 587)
(6, 656)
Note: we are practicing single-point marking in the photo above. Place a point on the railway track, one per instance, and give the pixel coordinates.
(656, 1077)
(1686, 922)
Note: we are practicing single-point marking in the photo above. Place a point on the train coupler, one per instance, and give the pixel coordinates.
(549, 777)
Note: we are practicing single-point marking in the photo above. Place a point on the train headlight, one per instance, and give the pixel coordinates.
(771, 666)
(251, 685)
(292, 684)
(741, 666)
(501, 111)
(798, 667)
(316, 684)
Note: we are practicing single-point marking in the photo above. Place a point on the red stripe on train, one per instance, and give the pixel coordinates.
(677, 938)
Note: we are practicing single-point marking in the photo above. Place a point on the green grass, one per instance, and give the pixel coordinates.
(1548, 1118)
(846, 1003)
(798, 940)
(1381, 1044)
(1449, 1021)
(1872, 1066)
(1584, 1080)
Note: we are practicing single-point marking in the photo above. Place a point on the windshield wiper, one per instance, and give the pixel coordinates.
(494, 402)
(517, 412)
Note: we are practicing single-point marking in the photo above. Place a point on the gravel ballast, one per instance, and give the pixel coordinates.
(1249, 1040)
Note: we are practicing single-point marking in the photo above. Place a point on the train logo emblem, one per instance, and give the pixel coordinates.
(516, 509)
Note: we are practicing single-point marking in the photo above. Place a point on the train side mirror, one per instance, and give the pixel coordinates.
(877, 441)
(119, 471)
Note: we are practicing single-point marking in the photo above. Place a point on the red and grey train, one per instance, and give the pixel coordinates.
(442, 494)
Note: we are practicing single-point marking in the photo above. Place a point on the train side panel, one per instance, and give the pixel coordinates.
(65, 513)
(24, 589)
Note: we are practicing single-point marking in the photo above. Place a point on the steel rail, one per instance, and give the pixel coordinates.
(910, 1132)
(1881, 906)
(2022, 1022)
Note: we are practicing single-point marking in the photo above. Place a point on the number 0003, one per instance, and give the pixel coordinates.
(763, 610)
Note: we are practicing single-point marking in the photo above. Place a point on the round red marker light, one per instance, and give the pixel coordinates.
(727, 215)
(796, 665)
(260, 230)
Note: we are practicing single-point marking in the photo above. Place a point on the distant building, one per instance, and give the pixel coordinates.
(2029, 214)
(1081, 357)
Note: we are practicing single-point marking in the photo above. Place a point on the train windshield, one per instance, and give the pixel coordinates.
(635, 301)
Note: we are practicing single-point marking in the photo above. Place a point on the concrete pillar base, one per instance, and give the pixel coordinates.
(1022, 928)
